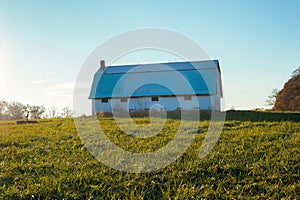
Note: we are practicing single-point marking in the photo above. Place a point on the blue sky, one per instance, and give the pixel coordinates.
(44, 43)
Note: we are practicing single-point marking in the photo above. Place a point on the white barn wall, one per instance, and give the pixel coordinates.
(98, 106)
(169, 103)
(206, 102)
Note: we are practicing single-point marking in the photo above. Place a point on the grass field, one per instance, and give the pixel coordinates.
(256, 157)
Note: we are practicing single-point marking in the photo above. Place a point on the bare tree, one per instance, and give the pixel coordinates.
(36, 111)
(16, 110)
(52, 112)
(67, 112)
(296, 72)
(3, 110)
(272, 97)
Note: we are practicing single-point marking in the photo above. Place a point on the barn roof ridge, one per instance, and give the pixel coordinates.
(163, 63)
(156, 67)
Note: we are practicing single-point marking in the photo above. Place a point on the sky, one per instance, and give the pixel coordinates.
(43, 44)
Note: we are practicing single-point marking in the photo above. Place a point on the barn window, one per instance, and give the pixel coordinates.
(123, 99)
(188, 97)
(105, 100)
(154, 98)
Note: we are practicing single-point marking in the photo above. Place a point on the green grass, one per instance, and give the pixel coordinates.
(256, 157)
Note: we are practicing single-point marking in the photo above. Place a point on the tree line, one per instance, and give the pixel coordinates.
(17, 110)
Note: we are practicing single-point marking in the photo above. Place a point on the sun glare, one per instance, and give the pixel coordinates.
(2, 75)
(3, 66)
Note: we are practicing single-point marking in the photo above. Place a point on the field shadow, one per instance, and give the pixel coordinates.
(231, 115)
(261, 116)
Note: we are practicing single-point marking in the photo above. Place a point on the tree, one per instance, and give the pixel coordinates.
(66, 112)
(16, 110)
(3, 110)
(272, 97)
(288, 99)
(36, 111)
(52, 112)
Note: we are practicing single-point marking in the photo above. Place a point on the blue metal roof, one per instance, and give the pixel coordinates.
(200, 75)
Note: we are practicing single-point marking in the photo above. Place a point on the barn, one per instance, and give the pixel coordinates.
(169, 86)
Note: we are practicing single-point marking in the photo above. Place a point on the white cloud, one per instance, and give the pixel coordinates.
(64, 89)
(39, 82)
